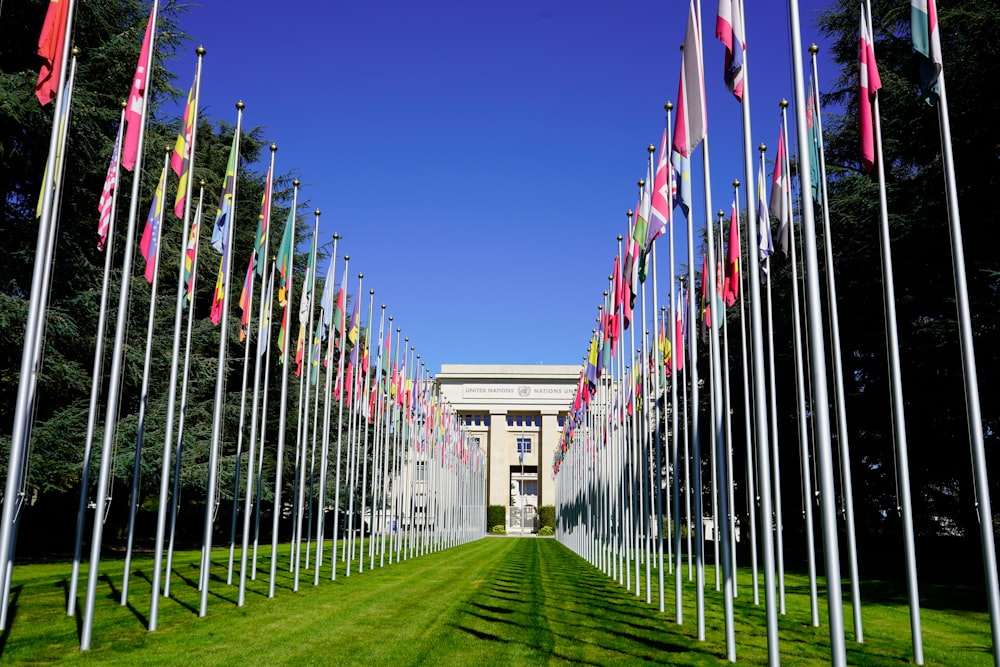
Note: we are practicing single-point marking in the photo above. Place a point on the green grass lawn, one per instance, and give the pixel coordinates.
(502, 601)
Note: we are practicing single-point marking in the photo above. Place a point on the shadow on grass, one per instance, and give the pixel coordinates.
(15, 593)
(115, 595)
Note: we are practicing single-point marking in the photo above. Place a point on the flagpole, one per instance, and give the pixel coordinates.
(800, 390)
(364, 437)
(253, 482)
(727, 413)
(34, 327)
(213, 456)
(252, 269)
(373, 416)
(970, 373)
(174, 499)
(286, 318)
(304, 397)
(114, 387)
(821, 408)
(352, 438)
(261, 440)
(838, 366)
(96, 377)
(144, 392)
(896, 386)
(748, 414)
(161, 514)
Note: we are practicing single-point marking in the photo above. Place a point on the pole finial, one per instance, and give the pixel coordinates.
(762, 148)
(200, 51)
(317, 212)
(736, 182)
(783, 103)
(240, 106)
(295, 183)
(669, 106)
(274, 147)
(813, 49)
(651, 148)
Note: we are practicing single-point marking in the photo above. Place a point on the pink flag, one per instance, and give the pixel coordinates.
(133, 112)
(868, 84)
(778, 203)
(661, 194)
(731, 290)
(729, 30)
(692, 121)
(50, 48)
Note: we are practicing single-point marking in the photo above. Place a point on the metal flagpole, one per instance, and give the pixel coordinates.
(352, 442)
(974, 413)
(35, 323)
(259, 442)
(896, 388)
(213, 456)
(161, 513)
(838, 368)
(821, 409)
(748, 433)
(286, 319)
(324, 459)
(96, 376)
(727, 413)
(364, 437)
(800, 392)
(114, 387)
(304, 397)
(257, 261)
(375, 409)
(776, 521)
(192, 247)
(757, 366)
(340, 434)
(719, 427)
(144, 391)
(261, 365)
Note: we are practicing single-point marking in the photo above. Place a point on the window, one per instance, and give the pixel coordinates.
(529, 487)
(524, 445)
(562, 420)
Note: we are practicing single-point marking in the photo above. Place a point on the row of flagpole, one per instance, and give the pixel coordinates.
(423, 462)
(598, 460)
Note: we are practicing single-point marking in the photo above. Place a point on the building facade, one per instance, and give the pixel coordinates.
(515, 413)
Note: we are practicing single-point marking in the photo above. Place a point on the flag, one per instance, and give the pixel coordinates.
(191, 253)
(305, 306)
(338, 313)
(660, 206)
(282, 333)
(134, 110)
(815, 141)
(225, 210)
(592, 365)
(729, 30)
(355, 327)
(868, 85)
(764, 244)
(283, 260)
(219, 294)
(927, 42)
(640, 231)
(706, 304)
(107, 193)
(682, 165)
(779, 194)
(265, 321)
(149, 245)
(692, 120)
(180, 161)
(50, 48)
(731, 289)
(246, 301)
(263, 221)
(630, 273)
(326, 304)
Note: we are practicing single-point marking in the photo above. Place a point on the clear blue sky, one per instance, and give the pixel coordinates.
(478, 158)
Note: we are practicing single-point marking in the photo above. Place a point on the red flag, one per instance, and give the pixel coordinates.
(868, 84)
(50, 48)
(679, 352)
(731, 290)
(133, 112)
(246, 298)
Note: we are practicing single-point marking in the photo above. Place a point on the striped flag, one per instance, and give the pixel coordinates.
(764, 244)
(180, 161)
(50, 48)
(150, 243)
(640, 232)
(263, 222)
(219, 294)
(661, 195)
(107, 193)
(868, 85)
(225, 210)
(692, 117)
(680, 331)
(265, 322)
(927, 42)
(133, 112)
(729, 30)
(815, 140)
(191, 253)
(283, 260)
(246, 301)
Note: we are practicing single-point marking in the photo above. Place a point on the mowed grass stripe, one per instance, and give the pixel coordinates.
(500, 601)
